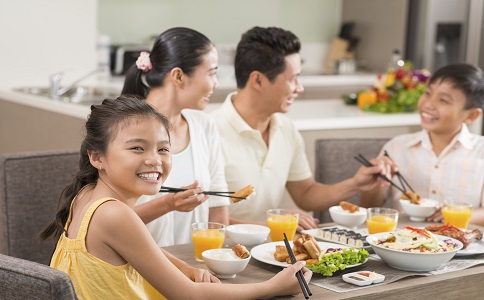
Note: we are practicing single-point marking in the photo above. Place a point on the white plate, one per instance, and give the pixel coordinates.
(265, 252)
(476, 247)
(317, 233)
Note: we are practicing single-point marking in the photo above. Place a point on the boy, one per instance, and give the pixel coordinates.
(443, 161)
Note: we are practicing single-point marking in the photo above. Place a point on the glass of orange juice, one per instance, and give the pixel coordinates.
(457, 213)
(381, 219)
(282, 221)
(206, 236)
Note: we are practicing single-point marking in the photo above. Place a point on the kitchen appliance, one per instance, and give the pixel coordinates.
(437, 32)
(124, 56)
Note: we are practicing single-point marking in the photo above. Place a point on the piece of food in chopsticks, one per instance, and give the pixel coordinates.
(322, 261)
(414, 197)
(466, 237)
(352, 208)
(243, 193)
(241, 251)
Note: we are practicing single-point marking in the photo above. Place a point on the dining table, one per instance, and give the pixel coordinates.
(467, 283)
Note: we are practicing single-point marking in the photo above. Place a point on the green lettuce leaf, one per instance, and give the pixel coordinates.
(335, 261)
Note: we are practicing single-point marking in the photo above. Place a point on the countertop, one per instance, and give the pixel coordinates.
(317, 114)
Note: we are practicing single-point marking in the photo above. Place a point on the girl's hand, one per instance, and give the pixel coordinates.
(285, 282)
(202, 275)
(187, 200)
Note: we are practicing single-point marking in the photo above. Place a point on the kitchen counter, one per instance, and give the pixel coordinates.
(316, 114)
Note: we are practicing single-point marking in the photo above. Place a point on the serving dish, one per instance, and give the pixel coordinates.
(265, 252)
(412, 261)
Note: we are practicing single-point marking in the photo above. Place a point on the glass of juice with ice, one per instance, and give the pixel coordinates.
(457, 213)
(282, 221)
(381, 219)
(206, 236)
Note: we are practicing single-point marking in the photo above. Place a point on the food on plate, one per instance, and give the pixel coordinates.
(243, 193)
(343, 236)
(349, 206)
(414, 197)
(466, 237)
(322, 261)
(413, 239)
(241, 251)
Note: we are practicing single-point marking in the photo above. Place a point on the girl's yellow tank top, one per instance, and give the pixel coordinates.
(92, 277)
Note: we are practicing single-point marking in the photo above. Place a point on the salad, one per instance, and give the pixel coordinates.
(413, 239)
(335, 259)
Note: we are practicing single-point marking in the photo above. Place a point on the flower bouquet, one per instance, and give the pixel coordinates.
(398, 91)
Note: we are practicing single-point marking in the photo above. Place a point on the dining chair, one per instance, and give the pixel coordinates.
(30, 185)
(24, 279)
(334, 162)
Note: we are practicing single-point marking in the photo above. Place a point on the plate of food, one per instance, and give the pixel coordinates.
(471, 239)
(318, 255)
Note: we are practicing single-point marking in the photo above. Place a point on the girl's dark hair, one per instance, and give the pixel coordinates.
(176, 47)
(466, 78)
(101, 127)
(264, 50)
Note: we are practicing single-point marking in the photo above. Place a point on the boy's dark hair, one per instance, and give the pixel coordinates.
(465, 77)
(176, 47)
(264, 50)
(101, 127)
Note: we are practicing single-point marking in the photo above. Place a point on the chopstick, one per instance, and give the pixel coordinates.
(300, 277)
(220, 194)
(400, 176)
(367, 163)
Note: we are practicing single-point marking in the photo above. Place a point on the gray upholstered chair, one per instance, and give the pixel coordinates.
(30, 185)
(23, 279)
(335, 162)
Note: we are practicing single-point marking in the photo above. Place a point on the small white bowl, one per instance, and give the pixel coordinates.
(411, 261)
(345, 218)
(247, 234)
(419, 212)
(224, 263)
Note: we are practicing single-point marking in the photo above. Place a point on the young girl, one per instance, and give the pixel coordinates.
(103, 245)
(443, 161)
(178, 77)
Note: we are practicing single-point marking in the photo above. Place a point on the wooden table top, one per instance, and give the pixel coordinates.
(467, 283)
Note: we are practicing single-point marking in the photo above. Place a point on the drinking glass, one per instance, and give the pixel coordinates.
(457, 213)
(282, 221)
(206, 236)
(381, 219)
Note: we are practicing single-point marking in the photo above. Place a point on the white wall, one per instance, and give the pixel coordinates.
(38, 38)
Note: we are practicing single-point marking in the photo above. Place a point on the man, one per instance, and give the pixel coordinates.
(261, 146)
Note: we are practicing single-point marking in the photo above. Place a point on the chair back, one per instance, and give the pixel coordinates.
(30, 186)
(23, 279)
(335, 162)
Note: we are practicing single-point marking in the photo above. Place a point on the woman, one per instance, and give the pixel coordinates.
(178, 77)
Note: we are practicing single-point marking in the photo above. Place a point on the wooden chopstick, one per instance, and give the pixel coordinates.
(367, 163)
(219, 194)
(400, 176)
(300, 277)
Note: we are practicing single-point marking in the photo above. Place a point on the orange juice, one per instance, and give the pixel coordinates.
(206, 239)
(280, 224)
(380, 224)
(457, 215)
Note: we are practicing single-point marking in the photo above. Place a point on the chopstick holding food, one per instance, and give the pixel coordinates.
(300, 277)
(242, 194)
